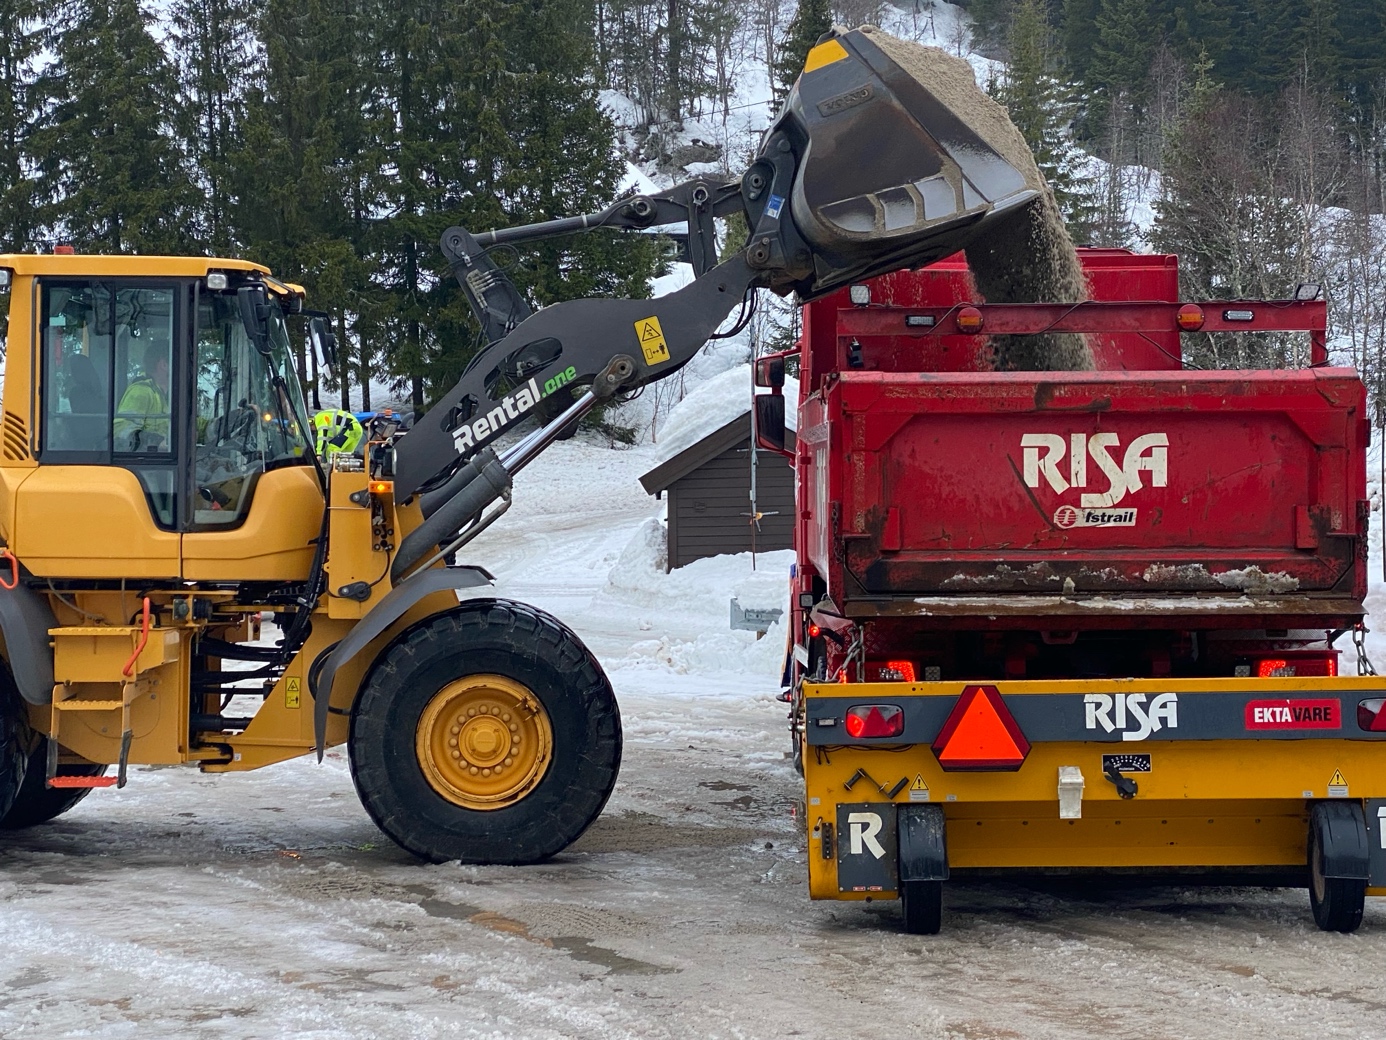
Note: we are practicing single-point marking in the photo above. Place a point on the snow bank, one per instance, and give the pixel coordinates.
(688, 611)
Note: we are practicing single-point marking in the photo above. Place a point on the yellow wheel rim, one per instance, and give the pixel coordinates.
(484, 742)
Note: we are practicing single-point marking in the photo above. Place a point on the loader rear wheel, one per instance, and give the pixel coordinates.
(488, 734)
(37, 802)
(15, 741)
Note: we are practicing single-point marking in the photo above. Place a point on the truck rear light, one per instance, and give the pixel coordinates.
(1370, 717)
(894, 671)
(1190, 317)
(1293, 664)
(969, 319)
(1239, 315)
(980, 734)
(874, 720)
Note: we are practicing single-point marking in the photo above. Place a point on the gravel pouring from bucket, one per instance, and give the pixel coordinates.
(902, 159)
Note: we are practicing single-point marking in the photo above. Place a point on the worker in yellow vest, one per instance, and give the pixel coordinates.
(336, 430)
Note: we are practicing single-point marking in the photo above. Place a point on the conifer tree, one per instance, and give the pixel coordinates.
(1127, 34)
(811, 20)
(1039, 105)
(214, 43)
(20, 42)
(112, 145)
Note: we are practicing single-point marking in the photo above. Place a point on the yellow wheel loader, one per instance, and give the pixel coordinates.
(160, 493)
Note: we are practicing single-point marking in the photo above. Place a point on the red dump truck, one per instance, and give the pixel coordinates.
(1050, 622)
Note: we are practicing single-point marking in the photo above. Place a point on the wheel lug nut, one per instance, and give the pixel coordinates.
(473, 770)
(505, 717)
(509, 760)
(486, 772)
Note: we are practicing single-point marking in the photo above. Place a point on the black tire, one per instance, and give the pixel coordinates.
(15, 740)
(518, 642)
(36, 802)
(1336, 903)
(921, 907)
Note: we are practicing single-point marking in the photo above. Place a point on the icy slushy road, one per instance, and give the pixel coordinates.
(267, 905)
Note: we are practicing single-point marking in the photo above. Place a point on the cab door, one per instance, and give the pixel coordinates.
(104, 501)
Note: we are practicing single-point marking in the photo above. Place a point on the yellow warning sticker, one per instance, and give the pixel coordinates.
(1337, 787)
(293, 691)
(919, 790)
(651, 337)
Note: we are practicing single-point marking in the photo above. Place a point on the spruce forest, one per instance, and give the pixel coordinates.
(334, 140)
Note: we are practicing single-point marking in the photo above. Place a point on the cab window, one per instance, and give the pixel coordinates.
(249, 412)
(107, 381)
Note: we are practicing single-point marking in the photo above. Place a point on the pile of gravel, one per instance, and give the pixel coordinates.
(1027, 256)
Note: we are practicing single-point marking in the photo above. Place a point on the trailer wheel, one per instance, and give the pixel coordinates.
(1336, 902)
(921, 907)
(15, 740)
(488, 734)
(36, 802)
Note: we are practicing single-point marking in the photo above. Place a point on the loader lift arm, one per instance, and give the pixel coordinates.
(820, 213)
(864, 171)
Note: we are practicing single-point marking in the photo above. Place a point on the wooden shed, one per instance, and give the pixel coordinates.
(709, 486)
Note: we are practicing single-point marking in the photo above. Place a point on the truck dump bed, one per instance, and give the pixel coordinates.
(1227, 483)
(1113, 494)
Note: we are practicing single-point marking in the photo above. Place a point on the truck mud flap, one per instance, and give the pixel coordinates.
(923, 843)
(866, 847)
(1343, 839)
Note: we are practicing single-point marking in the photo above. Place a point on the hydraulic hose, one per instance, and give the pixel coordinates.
(476, 485)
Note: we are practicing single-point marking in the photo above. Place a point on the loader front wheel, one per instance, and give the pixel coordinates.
(488, 734)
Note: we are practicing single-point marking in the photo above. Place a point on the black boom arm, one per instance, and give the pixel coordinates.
(533, 355)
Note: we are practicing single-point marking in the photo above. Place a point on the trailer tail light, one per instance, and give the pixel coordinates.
(969, 319)
(874, 720)
(1290, 665)
(980, 734)
(894, 671)
(1190, 317)
(1370, 717)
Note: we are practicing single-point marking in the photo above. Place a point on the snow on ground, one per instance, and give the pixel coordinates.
(268, 905)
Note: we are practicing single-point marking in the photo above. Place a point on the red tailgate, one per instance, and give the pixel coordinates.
(1160, 482)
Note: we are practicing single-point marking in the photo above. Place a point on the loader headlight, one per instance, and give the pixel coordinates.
(861, 295)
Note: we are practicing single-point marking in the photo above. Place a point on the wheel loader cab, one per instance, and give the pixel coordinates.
(149, 436)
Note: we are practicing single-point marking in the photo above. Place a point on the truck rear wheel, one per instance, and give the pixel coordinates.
(36, 802)
(488, 735)
(1336, 902)
(921, 907)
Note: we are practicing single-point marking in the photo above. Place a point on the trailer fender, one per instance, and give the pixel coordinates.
(1342, 831)
(923, 843)
(25, 618)
(382, 616)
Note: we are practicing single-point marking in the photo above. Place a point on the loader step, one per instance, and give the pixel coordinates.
(83, 781)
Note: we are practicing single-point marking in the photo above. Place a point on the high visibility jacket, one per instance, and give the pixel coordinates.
(336, 430)
(143, 411)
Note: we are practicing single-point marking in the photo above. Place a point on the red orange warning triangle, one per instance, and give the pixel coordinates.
(981, 734)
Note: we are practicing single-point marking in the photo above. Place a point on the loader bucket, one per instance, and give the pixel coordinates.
(901, 158)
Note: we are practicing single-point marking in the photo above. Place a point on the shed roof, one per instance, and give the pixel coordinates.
(685, 462)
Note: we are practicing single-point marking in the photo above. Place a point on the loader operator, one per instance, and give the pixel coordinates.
(141, 422)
